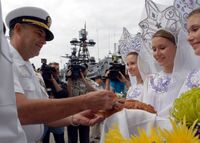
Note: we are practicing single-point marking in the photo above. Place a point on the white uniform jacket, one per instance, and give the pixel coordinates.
(25, 82)
(10, 127)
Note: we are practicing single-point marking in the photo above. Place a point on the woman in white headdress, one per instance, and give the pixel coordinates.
(130, 47)
(162, 88)
(193, 28)
(135, 90)
(140, 64)
(129, 119)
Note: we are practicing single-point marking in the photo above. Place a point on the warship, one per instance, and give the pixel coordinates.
(80, 54)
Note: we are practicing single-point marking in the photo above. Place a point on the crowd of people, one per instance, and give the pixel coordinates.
(39, 103)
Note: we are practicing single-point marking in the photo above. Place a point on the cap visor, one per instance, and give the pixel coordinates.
(49, 35)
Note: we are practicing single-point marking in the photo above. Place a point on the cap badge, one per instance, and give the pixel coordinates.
(48, 19)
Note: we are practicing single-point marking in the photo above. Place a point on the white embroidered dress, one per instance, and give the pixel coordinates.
(192, 81)
(160, 90)
(135, 92)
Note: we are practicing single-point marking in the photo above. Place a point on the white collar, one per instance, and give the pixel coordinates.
(17, 57)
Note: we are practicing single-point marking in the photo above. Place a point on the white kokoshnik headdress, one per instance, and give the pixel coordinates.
(129, 43)
(133, 43)
(158, 17)
(184, 7)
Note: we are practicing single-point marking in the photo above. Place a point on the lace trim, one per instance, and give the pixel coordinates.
(135, 93)
(193, 79)
(160, 83)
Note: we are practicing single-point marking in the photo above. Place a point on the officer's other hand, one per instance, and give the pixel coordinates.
(87, 118)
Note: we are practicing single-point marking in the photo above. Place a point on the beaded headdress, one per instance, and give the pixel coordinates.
(158, 17)
(184, 7)
(129, 43)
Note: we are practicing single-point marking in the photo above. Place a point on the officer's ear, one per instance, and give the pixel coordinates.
(18, 27)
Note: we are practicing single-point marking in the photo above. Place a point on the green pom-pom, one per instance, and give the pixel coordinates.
(188, 105)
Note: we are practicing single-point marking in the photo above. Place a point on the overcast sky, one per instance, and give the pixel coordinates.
(104, 19)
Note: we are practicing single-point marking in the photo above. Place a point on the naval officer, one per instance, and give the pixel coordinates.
(29, 31)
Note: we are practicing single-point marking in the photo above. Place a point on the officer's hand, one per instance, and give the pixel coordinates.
(118, 105)
(100, 100)
(87, 118)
